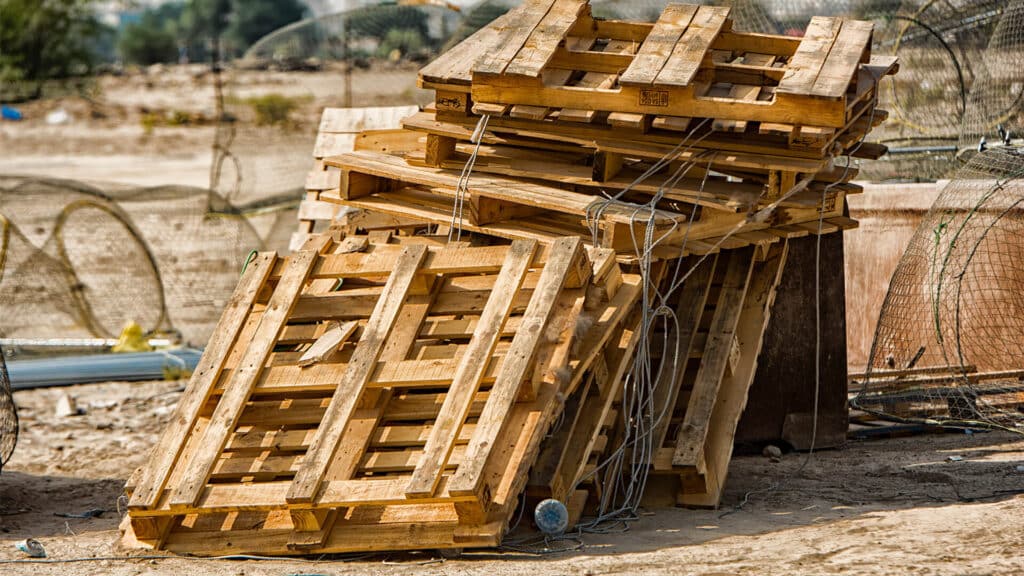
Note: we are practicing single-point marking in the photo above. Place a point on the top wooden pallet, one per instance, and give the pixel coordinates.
(690, 63)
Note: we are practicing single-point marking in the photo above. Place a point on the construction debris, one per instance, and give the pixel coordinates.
(482, 333)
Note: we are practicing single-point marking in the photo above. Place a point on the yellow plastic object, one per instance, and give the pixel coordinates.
(132, 339)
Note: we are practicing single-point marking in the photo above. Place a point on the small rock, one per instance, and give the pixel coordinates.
(1020, 468)
(772, 451)
(66, 406)
(954, 459)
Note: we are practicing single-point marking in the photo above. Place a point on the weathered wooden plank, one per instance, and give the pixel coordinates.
(544, 40)
(168, 448)
(471, 369)
(382, 321)
(426, 373)
(516, 30)
(688, 53)
(806, 64)
(564, 254)
(658, 45)
(694, 429)
(667, 100)
(844, 59)
(229, 408)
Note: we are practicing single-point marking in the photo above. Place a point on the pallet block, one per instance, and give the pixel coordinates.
(376, 393)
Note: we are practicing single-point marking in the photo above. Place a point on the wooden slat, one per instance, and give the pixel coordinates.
(844, 59)
(597, 80)
(517, 30)
(427, 373)
(499, 188)
(382, 321)
(471, 369)
(692, 300)
(468, 477)
(168, 447)
(545, 38)
(806, 64)
(688, 53)
(229, 408)
(455, 66)
(732, 396)
(659, 45)
(380, 261)
(693, 432)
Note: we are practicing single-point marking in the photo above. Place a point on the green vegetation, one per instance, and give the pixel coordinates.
(42, 40)
(153, 39)
(227, 27)
(274, 109)
(399, 28)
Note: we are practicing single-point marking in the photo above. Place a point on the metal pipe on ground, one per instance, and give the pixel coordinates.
(71, 370)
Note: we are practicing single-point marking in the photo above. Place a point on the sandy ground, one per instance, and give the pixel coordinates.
(895, 506)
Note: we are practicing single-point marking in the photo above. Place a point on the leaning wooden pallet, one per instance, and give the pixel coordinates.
(722, 310)
(410, 396)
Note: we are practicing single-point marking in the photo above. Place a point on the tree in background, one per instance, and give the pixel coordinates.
(42, 40)
(155, 38)
(228, 27)
(251, 20)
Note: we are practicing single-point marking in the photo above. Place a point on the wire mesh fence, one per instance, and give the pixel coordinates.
(8, 415)
(948, 344)
(79, 261)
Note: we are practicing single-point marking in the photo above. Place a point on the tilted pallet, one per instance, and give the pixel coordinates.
(551, 57)
(722, 310)
(590, 160)
(345, 130)
(510, 208)
(376, 393)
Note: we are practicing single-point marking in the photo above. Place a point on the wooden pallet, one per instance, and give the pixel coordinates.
(722, 310)
(376, 393)
(721, 179)
(345, 130)
(510, 208)
(551, 57)
(939, 392)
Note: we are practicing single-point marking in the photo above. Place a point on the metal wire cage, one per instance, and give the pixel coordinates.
(8, 415)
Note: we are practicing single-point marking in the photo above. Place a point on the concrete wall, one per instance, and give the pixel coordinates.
(889, 214)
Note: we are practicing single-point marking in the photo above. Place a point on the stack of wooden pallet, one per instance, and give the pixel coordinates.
(713, 123)
(458, 346)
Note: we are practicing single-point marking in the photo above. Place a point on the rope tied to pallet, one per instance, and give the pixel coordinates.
(455, 229)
